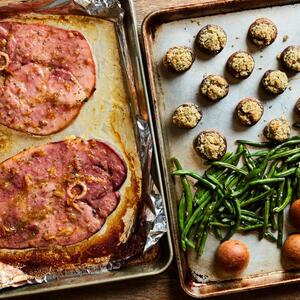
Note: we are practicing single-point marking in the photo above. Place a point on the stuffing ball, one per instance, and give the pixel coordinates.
(214, 87)
(262, 32)
(232, 256)
(278, 130)
(249, 111)
(179, 59)
(275, 81)
(210, 145)
(211, 39)
(187, 116)
(290, 58)
(240, 64)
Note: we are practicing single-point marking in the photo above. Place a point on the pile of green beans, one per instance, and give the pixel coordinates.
(244, 191)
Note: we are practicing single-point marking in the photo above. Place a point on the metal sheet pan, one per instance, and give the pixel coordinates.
(159, 258)
(179, 26)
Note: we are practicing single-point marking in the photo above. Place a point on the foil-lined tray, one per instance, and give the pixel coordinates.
(151, 221)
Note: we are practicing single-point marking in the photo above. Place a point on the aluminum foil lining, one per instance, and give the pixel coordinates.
(153, 219)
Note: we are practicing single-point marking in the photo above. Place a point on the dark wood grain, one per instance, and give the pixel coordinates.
(164, 286)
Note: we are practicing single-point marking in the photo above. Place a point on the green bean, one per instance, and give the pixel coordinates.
(217, 224)
(202, 197)
(181, 209)
(202, 243)
(215, 181)
(256, 198)
(234, 160)
(202, 207)
(286, 173)
(266, 216)
(287, 143)
(238, 214)
(250, 227)
(232, 183)
(247, 158)
(280, 216)
(255, 144)
(229, 179)
(199, 193)
(228, 221)
(293, 158)
(187, 227)
(269, 236)
(284, 154)
(195, 175)
(202, 231)
(259, 153)
(190, 243)
(266, 181)
(272, 214)
(240, 191)
(226, 156)
(217, 232)
(287, 199)
(250, 214)
(186, 189)
(228, 205)
(272, 169)
(280, 229)
(229, 166)
(295, 137)
(249, 219)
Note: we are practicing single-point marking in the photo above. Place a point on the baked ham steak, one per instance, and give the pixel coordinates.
(46, 73)
(58, 194)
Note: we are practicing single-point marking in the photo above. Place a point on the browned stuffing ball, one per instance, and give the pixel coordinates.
(290, 58)
(297, 107)
(249, 111)
(211, 39)
(278, 130)
(262, 32)
(187, 116)
(214, 87)
(210, 145)
(240, 64)
(179, 59)
(275, 81)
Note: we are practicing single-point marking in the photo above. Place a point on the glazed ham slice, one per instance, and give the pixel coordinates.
(46, 74)
(58, 194)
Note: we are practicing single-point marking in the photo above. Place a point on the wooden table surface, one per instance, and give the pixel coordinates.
(164, 286)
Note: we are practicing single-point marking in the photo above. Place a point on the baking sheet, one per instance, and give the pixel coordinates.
(112, 116)
(171, 90)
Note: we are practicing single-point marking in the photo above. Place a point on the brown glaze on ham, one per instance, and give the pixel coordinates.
(50, 72)
(58, 194)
